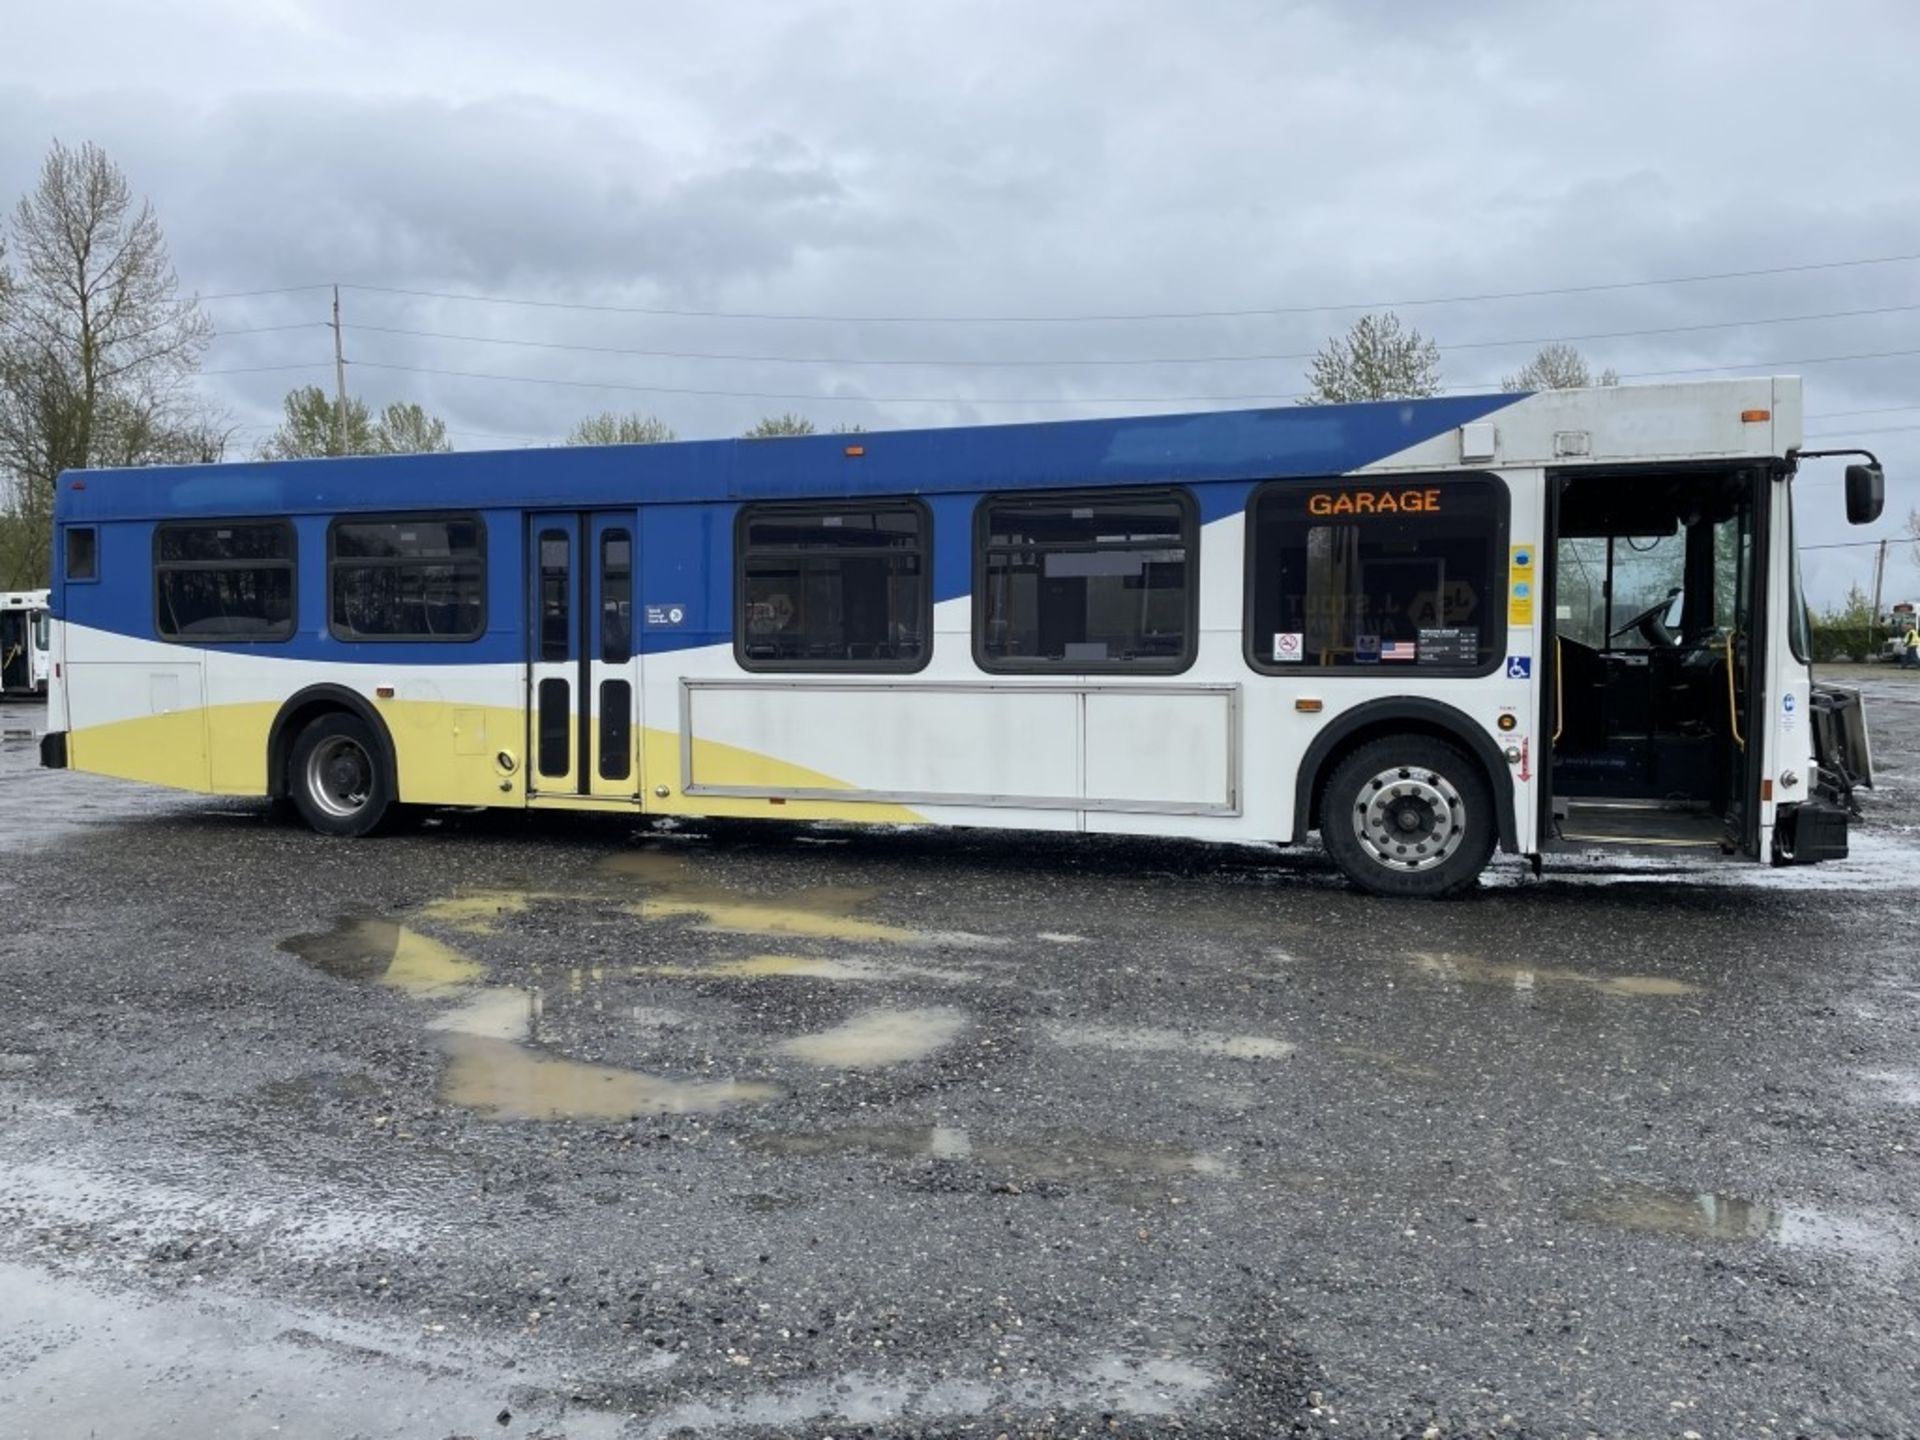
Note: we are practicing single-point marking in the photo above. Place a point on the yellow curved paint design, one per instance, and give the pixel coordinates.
(446, 756)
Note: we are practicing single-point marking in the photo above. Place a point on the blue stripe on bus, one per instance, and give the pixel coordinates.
(691, 493)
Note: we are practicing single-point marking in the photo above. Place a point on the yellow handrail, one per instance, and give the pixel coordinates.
(1733, 708)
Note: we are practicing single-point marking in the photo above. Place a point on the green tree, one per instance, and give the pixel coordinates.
(1558, 367)
(98, 348)
(608, 428)
(312, 427)
(1377, 359)
(776, 425)
(405, 428)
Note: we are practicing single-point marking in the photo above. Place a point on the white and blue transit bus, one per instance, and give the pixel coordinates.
(1423, 628)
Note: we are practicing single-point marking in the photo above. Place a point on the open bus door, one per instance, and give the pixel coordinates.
(1657, 590)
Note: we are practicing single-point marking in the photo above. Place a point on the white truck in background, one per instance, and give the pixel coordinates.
(23, 642)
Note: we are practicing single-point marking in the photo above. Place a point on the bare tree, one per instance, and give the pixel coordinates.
(1377, 359)
(310, 429)
(98, 349)
(1558, 367)
(773, 426)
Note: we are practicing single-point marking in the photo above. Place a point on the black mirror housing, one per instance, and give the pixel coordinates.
(1866, 493)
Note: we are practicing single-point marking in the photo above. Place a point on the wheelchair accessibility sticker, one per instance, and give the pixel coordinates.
(1519, 667)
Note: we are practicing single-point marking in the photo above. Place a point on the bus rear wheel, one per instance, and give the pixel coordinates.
(1408, 815)
(338, 778)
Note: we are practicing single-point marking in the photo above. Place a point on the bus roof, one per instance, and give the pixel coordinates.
(1622, 423)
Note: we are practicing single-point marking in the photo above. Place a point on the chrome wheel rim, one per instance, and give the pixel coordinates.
(1409, 818)
(340, 776)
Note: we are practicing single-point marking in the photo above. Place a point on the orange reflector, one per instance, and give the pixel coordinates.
(1754, 416)
(1308, 707)
(1766, 791)
(776, 800)
(383, 692)
(856, 451)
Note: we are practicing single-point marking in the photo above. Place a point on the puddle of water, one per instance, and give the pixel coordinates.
(1058, 1158)
(1704, 1215)
(477, 911)
(878, 1037)
(810, 967)
(817, 912)
(361, 947)
(1147, 1040)
(1473, 970)
(1387, 1061)
(492, 1069)
(505, 1080)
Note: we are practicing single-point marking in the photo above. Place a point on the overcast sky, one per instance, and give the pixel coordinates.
(929, 159)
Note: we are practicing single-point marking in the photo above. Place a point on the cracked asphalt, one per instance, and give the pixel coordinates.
(568, 1127)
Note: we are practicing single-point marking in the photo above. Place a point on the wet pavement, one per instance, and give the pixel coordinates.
(575, 1128)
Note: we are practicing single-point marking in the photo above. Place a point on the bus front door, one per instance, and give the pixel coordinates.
(581, 662)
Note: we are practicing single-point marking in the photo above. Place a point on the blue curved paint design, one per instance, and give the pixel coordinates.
(687, 494)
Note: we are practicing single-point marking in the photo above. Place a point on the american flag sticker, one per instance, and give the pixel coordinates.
(1397, 650)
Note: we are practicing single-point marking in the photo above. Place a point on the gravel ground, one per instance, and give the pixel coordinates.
(553, 1128)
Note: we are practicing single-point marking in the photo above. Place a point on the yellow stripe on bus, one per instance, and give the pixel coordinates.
(446, 756)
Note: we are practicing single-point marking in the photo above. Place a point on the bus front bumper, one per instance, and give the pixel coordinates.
(53, 750)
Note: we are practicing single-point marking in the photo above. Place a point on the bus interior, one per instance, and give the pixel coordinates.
(23, 645)
(1652, 586)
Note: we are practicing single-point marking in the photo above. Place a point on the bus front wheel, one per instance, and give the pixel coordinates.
(1408, 815)
(338, 778)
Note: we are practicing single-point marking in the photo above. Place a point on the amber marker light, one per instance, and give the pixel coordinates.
(854, 452)
(1309, 707)
(1507, 722)
(1753, 417)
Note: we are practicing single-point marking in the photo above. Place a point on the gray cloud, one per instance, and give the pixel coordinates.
(1003, 158)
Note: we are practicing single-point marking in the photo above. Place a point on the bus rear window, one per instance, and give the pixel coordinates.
(407, 579)
(1387, 574)
(224, 582)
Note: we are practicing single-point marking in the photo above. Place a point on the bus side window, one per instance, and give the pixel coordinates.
(1366, 575)
(1085, 582)
(838, 586)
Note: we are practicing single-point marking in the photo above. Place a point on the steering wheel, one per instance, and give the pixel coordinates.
(1652, 624)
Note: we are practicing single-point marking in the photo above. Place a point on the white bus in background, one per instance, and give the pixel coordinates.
(23, 642)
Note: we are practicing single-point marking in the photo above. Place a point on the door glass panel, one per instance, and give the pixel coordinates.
(555, 595)
(616, 598)
(555, 727)
(616, 730)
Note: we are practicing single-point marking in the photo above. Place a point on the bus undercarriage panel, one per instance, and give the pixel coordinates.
(1167, 749)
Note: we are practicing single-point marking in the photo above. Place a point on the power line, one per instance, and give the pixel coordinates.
(1251, 397)
(1228, 314)
(956, 361)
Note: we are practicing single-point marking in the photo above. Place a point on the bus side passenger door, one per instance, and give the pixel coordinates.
(581, 657)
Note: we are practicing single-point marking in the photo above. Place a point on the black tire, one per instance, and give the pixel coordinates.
(339, 778)
(1409, 815)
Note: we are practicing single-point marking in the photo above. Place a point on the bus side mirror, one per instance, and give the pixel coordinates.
(1866, 493)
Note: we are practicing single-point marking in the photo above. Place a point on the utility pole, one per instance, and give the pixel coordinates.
(340, 384)
(1873, 621)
